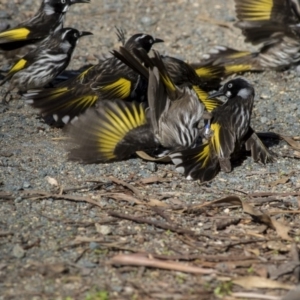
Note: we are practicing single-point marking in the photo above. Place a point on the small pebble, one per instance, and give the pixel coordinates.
(18, 251)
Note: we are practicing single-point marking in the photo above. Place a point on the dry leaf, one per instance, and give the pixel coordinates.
(254, 296)
(295, 145)
(154, 179)
(282, 180)
(250, 282)
(142, 260)
(146, 156)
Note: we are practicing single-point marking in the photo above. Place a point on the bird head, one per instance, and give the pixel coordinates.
(235, 87)
(70, 36)
(60, 6)
(141, 40)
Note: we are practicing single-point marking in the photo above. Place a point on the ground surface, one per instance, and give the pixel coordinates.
(134, 229)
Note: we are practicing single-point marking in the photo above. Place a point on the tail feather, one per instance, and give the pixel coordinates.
(234, 61)
(262, 10)
(210, 75)
(262, 32)
(259, 151)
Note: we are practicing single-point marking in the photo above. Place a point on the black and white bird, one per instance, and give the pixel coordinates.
(48, 19)
(274, 25)
(230, 127)
(39, 67)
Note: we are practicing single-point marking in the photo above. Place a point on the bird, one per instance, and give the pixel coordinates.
(115, 129)
(109, 79)
(275, 25)
(48, 19)
(175, 111)
(201, 78)
(40, 66)
(231, 130)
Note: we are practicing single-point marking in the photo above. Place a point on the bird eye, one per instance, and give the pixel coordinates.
(230, 85)
(151, 41)
(75, 35)
(63, 1)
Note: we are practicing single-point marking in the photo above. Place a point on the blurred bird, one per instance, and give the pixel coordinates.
(42, 65)
(109, 79)
(179, 73)
(115, 130)
(175, 112)
(230, 126)
(112, 131)
(275, 24)
(47, 20)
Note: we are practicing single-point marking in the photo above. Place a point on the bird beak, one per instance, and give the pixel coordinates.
(158, 41)
(216, 94)
(79, 1)
(83, 33)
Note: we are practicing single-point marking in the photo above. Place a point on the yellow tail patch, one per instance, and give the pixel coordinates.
(15, 34)
(118, 122)
(256, 10)
(120, 88)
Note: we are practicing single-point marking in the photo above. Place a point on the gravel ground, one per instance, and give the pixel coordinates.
(62, 223)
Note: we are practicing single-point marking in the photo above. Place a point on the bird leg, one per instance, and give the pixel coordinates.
(225, 164)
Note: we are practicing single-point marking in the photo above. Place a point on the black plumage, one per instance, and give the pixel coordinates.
(230, 130)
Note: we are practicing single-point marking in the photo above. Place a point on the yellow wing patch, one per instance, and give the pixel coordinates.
(206, 72)
(119, 89)
(215, 139)
(83, 74)
(203, 156)
(256, 10)
(15, 34)
(231, 69)
(83, 102)
(168, 82)
(210, 104)
(18, 66)
(119, 121)
(238, 54)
